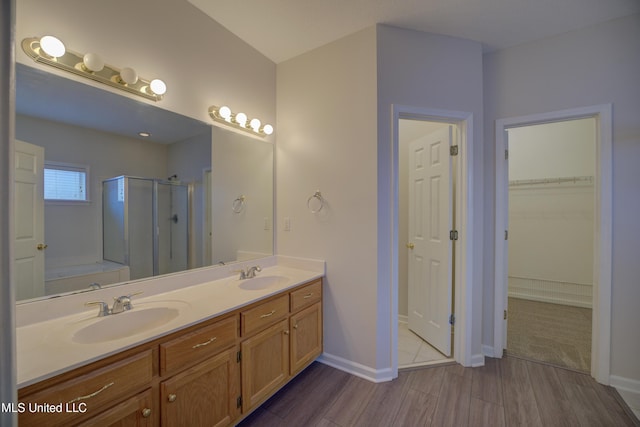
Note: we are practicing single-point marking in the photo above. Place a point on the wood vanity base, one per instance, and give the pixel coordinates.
(211, 374)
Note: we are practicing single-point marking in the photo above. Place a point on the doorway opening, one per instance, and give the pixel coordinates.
(600, 290)
(426, 212)
(551, 204)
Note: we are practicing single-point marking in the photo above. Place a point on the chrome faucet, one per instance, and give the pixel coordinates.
(120, 304)
(249, 272)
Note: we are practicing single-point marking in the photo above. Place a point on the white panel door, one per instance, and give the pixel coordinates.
(29, 245)
(430, 249)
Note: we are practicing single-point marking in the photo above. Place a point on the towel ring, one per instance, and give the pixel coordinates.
(317, 195)
(238, 204)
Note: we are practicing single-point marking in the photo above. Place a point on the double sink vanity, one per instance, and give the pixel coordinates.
(204, 347)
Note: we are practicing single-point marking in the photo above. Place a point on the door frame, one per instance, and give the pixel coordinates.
(463, 254)
(601, 326)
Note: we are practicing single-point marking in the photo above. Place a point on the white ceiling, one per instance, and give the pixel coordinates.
(283, 29)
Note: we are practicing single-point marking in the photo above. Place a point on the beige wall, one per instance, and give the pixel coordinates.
(327, 142)
(596, 65)
(329, 101)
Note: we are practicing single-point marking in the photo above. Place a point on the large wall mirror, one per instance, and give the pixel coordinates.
(187, 196)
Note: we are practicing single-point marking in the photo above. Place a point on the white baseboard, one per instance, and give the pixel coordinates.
(362, 371)
(555, 292)
(490, 351)
(629, 390)
(477, 360)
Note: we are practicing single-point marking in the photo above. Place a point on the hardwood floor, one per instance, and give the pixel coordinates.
(504, 392)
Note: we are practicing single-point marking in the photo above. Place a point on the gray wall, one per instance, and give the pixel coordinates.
(596, 65)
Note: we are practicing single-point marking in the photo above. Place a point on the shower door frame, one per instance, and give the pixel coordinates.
(156, 222)
(155, 267)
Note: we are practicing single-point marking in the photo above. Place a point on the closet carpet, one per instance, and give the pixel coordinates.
(551, 333)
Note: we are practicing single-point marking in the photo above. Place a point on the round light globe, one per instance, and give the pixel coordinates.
(93, 62)
(267, 129)
(52, 46)
(158, 87)
(241, 119)
(129, 75)
(255, 124)
(225, 112)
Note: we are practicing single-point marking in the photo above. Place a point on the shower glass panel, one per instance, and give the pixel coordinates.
(145, 225)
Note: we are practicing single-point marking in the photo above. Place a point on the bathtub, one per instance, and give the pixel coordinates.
(80, 277)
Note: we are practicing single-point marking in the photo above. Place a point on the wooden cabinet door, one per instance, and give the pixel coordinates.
(306, 337)
(138, 411)
(265, 364)
(204, 395)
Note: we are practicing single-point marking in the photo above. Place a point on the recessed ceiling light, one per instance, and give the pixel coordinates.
(144, 134)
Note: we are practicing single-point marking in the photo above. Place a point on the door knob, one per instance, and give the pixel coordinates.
(41, 246)
(410, 245)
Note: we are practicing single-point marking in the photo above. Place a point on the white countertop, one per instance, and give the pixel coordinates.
(46, 347)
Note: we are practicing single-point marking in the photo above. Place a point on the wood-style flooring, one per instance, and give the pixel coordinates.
(504, 392)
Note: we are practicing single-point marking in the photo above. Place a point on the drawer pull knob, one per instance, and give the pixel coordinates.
(309, 295)
(89, 396)
(268, 314)
(202, 344)
(286, 332)
(295, 326)
(146, 412)
(172, 397)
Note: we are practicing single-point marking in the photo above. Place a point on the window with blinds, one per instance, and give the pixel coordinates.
(65, 182)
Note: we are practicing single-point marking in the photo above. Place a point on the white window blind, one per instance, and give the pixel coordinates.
(65, 182)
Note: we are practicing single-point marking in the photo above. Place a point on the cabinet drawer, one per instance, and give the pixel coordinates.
(136, 411)
(306, 296)
(200, 344)
(265, 314)
(89, 394)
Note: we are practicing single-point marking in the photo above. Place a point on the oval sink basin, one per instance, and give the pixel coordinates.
(122, 325)
(262, 282)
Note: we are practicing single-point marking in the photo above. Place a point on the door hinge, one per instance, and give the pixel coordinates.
(506, 234)
(506, 154)
(452, 319)
(453, 150)
(239, 402)
(453, 235)
(505, 315)
(239, 356)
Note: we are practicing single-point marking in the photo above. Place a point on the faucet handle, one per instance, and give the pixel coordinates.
(134, 294)
(123, 303)
(104, 307)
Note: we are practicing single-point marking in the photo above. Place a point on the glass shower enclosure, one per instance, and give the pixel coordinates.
(145, 225)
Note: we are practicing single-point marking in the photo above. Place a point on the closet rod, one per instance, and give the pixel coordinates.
(543, 181)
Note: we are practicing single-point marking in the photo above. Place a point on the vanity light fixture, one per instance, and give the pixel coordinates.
(51, 51)
(239, 121)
